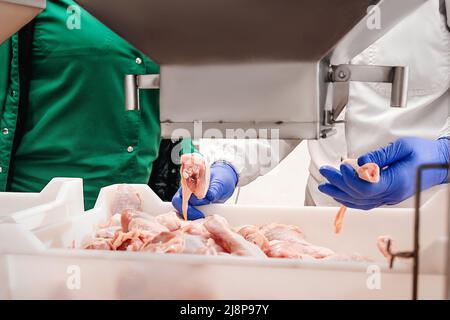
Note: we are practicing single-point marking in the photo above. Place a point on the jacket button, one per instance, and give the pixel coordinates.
(138, 60)
(5, 131)
(1, 169)
(13, 93)
(130, 149)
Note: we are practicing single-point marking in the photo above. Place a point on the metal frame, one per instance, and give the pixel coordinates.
(338, 75)
(414, 254)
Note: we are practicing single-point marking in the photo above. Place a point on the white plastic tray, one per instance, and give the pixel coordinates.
(38, 265)
(60, 199)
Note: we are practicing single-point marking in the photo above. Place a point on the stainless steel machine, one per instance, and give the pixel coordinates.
(254, 64)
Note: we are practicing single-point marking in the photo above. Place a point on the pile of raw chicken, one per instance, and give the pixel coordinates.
(128, 228)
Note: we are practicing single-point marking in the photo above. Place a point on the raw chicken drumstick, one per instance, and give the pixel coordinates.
(287, 241)
(382, 244)
(231, 241)
(369, 172)
(194, 178)
(254, 235)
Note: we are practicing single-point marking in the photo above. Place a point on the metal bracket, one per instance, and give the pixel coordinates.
(401, 254)
(133, 83)
(342, 74)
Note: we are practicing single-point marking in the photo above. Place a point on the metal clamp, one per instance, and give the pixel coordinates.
(342, 74)
(393, 255)
(133, 83)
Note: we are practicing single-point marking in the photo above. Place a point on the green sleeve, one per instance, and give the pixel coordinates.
(187, 146)
(4, 72)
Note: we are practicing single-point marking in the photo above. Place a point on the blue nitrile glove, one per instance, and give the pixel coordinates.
(400, 161)
(222, 183)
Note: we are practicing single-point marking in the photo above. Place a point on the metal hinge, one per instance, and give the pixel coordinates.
(342, 74)
(134, 83)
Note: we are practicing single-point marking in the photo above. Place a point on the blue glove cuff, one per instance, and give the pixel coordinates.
(227, 166)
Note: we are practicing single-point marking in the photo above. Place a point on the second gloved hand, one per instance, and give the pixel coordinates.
(222, 183)
(400, 161)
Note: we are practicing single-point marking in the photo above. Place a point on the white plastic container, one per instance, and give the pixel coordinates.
(60, 199)
(38, 264)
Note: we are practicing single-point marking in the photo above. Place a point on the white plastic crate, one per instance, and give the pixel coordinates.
(61, 198)
(38, 264)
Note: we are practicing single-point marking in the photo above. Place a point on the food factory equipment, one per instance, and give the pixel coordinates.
(14, 14)
(247, 64)
(253, 64)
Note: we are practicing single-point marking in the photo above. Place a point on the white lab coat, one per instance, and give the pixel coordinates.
(422, 42)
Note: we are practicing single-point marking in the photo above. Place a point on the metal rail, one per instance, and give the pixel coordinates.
(420, 170)
(414, 254)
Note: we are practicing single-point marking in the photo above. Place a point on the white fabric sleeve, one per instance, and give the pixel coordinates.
(250, 158)
(445, 131)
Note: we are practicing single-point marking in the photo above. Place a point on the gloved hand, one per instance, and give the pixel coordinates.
(399, 161)
(222, 183)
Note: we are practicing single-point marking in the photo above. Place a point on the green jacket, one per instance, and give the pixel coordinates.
(75, 124)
